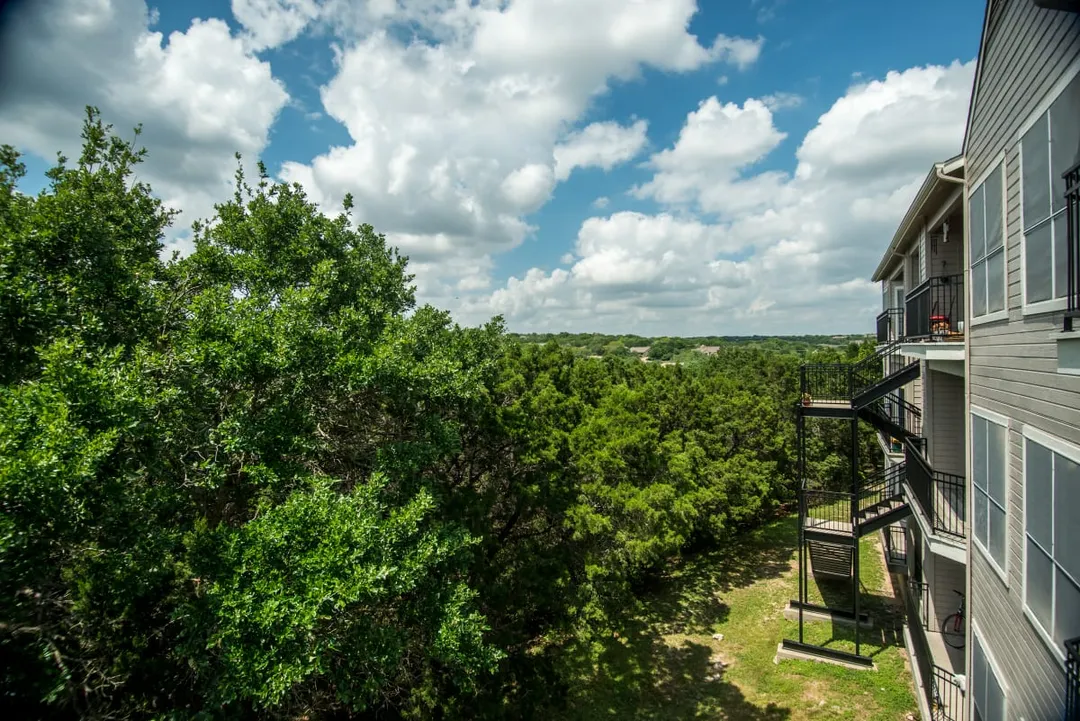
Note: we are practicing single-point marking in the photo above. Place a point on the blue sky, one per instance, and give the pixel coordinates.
(762, 210)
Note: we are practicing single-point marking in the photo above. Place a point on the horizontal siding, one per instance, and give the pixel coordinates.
(1027, 50)
(945, 419)
(1034, 681)
(945, 576)
(1013, 363)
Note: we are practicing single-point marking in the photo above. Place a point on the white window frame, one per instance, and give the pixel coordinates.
(1003, 314)
(1004, 422)
(1054, 304)
(992, 665)
(1062, 448)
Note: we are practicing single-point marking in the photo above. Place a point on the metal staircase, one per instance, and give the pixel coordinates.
(832, 522)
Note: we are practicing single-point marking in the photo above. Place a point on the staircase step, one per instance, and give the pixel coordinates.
(830, 559)
(889, 383)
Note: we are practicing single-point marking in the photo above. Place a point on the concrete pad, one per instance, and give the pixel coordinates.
(787, 654)
(791, 613)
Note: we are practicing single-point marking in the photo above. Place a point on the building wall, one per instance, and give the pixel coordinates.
(1013, 363)
(945, 414)
(945, 576)
(946, 257)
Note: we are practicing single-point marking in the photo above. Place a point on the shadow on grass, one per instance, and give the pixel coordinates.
(685, 599)
(661, 664)
(644, 677)
(841, 636)
(886, 613)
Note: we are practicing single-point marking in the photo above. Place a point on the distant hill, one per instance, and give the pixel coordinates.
(669, 347)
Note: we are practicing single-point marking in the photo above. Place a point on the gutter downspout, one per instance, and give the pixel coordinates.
(942, 176)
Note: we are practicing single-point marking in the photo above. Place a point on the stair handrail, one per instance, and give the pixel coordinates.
(876, 485)
(911, 415)
(868, 372)
(848, 380)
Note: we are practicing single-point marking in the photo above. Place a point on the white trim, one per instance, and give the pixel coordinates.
(1043, 306)
(1057, 654)
(991, 416)
(1044, 439)
(1047, 100)
(992, 664)
(990, 317)
(1001, 573)
(991, 165)
(1053, 304)
(969, 257)
(934, 350)
(1071, 452)
(1002, 422)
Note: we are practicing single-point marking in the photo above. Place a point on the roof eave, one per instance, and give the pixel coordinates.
(915, 210)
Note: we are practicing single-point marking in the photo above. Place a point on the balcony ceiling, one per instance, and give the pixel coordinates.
(933, 193)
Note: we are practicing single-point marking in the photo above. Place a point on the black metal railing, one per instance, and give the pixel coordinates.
(901, 413)
(1072, 244)
(890, 325)
(842, 382)
(881, 487)
(827, 510)
(1072, 679)
(895, 545)
(919, 595)
(950, 496)
(941, 495)
(935, 308)
(946, 696)
(825, 382)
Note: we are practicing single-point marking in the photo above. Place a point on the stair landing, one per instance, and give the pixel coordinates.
(827, 409)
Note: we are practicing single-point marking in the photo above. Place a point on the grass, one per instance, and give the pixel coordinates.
(659, 663)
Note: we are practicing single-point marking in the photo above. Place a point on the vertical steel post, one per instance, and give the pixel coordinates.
(800, 432)
(854, 527)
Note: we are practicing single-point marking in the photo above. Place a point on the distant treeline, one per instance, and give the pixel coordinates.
(676, 348)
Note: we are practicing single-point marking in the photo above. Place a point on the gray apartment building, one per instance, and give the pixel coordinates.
(974, 391)
(1021, 149)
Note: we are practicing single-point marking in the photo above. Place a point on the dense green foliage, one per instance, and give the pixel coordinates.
(674, 348)
(260, 481)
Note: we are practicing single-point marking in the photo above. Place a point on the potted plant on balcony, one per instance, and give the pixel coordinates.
(807, 399)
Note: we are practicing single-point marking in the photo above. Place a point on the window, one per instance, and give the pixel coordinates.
(987, 247)
(1048, 148)
(1052, 536)
(988, 446)
(985, 686)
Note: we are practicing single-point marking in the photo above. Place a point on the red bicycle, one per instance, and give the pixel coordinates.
(952, 630)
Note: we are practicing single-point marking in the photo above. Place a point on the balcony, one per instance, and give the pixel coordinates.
(941, 495)
(890, 325)
(938, 667)
(1072, 223)
(935, 310)
(1072, 680)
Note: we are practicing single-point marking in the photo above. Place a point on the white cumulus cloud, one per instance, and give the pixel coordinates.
(453, 142)
(764, 252)
(599, 145)
(199, 94)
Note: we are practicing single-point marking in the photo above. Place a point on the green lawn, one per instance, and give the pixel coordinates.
(658, 666)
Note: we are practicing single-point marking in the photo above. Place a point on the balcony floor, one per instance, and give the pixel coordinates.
(830, 526)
